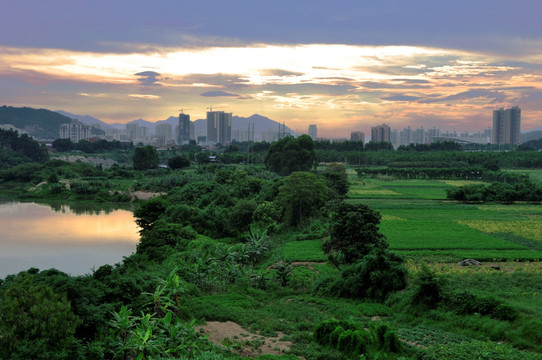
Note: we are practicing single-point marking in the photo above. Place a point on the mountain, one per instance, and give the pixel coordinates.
(38, 123)
(530, 135)
(87, 119)
(261, 125)
(44, 124)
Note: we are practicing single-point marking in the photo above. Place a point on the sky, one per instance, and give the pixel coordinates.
(342, 65)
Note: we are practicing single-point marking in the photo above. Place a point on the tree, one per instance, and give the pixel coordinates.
(35, 323)
(149, 212)
(289, 154)
(178, 162)
(353, 232)
(145, 157)
(336, 179)
(302, 194)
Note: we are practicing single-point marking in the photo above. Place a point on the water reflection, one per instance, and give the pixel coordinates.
(73, 238)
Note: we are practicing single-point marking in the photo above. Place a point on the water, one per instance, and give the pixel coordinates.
(72, 238)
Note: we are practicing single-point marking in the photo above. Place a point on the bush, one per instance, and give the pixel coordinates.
(375, 276)
(465, 303)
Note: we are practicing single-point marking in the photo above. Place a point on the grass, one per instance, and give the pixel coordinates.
(306, 250)
(418, 222)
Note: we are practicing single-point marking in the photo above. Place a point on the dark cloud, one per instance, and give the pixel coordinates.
(495, 96)
(148, 78)
(230, 81)
(218, 93)
(384, 85)
(279, 72)
(401, 98)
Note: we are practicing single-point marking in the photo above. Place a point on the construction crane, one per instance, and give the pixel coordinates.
(183, 109)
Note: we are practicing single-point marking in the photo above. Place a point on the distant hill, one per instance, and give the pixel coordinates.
(530, 135)
(261, 123)
(87, 119)
(41, 124)
(38, 123)
(44, 124)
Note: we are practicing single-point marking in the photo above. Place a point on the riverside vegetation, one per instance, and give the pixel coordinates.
(346, 265)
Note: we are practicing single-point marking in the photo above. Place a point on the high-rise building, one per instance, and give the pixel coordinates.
(357, 136)
(380, 133)
(132, 131)
(75, 131)
(164, 132)
(418, 136)
(219, 127)
(313, 131)
(506, 126)
(183, 134)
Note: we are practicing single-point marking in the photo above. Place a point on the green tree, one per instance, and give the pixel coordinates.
(149, 212)
(301, 195)
(35, 323)
(145, 157)
(289, 154)
(336, 179)
(178, 162)
(353, 232)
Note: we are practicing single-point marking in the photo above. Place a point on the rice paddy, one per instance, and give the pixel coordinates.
(420, 223)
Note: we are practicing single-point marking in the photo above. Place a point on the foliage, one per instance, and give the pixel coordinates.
(466, 303)
(289, 154)
(427, 291)
(336, 179)
(353, 232)
(374, 276)
(178, 162)
(145, 158)
(35, 321)
(149, 212)
(300, 196)
(482, 350)
(17, 150)
(161, 333)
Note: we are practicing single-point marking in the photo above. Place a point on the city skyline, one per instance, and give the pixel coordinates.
(344, 67)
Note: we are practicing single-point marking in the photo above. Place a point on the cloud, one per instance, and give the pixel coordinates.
(401, 98)
(388, 85)
(148, 78)
(279, 72)
(231, 81)
(145, 96)
(100, 95)
(494, 95)
(218, 93)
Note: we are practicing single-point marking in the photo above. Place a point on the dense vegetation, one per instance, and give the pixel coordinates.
(16, 149)
(319, 256)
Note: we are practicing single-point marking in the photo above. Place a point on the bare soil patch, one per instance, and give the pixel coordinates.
(231, 335)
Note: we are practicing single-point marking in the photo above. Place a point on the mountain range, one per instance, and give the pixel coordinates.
(261, 123)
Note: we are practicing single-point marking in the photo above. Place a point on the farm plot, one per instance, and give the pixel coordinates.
(403, 189)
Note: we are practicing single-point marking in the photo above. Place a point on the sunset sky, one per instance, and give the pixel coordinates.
(343, 65)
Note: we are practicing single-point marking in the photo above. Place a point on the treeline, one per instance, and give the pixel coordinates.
(445, 173)
(497, 192)
(17, 149)
(66, 145)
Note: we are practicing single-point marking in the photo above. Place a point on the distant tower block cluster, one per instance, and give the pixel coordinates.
(506, 126)
(313, 132)
(357, 136)
(219, 127)
(380, 133)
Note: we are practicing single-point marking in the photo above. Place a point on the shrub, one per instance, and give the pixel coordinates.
(375, 276)
(334, 336)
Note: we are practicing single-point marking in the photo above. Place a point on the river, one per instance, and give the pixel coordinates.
(73, 238)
